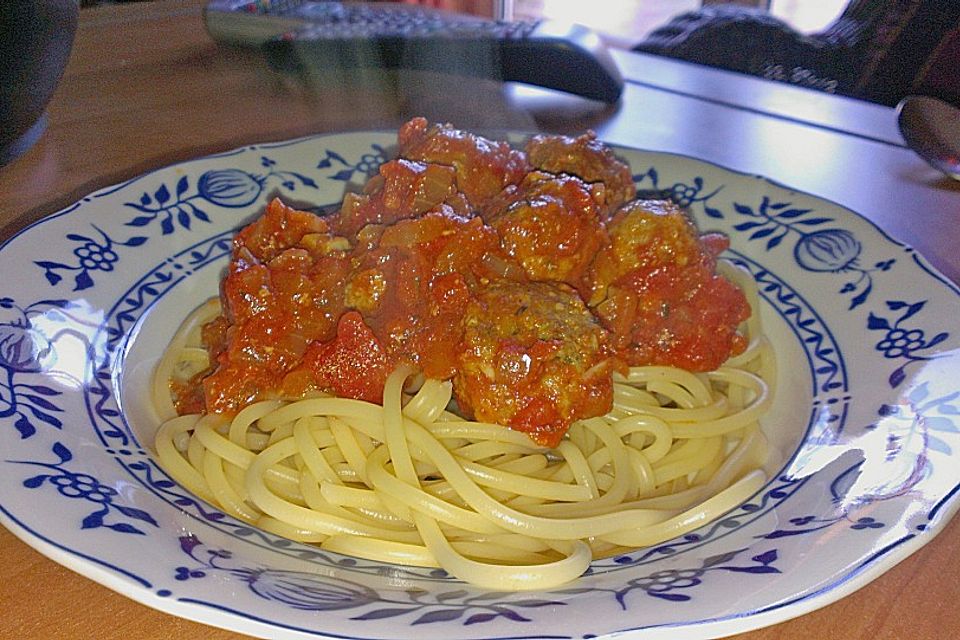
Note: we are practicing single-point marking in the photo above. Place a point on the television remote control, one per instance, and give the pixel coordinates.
(300, 36)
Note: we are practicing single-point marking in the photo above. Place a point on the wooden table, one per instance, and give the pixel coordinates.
(146, 87)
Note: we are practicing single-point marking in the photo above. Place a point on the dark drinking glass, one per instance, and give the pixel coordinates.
(35, 41)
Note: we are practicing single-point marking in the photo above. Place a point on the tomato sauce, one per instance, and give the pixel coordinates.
(526, 288)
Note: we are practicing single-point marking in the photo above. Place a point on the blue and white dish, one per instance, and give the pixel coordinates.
(865, 425)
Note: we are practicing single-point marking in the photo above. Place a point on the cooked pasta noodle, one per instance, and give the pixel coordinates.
(410, 482)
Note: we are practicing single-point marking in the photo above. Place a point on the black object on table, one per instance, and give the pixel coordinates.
(302, 37)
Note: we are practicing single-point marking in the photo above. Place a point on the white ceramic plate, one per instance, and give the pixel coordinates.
(865, 422)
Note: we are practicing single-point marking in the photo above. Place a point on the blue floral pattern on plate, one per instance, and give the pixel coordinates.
(863, 431)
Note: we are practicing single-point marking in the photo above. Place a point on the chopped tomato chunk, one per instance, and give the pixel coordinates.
(352, 365)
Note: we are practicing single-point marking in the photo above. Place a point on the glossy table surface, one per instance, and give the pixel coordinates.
(147, 87)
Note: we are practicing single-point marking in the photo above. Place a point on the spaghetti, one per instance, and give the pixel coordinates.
(411, 482)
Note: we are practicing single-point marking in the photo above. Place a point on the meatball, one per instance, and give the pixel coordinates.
(402, 189)
(283, 289)
(483, 167)
(550, 225)
(587, 158)
(532, 358)
(411, 282)
(655, 288)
